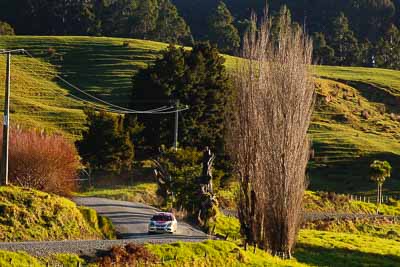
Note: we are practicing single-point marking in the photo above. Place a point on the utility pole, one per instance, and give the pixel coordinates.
(6, 123)
(176, 125)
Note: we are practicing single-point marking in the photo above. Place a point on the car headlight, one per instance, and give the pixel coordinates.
(169, 224)
(151, 224)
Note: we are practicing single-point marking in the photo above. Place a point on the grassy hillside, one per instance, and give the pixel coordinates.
(345, 140)
(28, 214)
(36, 101)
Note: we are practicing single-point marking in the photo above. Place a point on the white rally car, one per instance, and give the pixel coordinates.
(163, 222)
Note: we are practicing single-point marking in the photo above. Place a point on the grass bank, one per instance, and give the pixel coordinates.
(28, 215)
(145, 193)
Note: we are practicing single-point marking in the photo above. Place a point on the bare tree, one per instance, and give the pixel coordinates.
(268, 133)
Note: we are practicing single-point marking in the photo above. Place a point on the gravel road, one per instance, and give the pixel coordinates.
(130, 220)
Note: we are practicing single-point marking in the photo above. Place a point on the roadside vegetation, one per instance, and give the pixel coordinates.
(18, 259)
(46, 162)
(29, 215)
(141, 192)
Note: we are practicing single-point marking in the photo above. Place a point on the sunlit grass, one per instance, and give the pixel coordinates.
(142, 192)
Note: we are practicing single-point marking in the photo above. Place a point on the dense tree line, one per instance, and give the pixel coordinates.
(145, 19)
(346, 32)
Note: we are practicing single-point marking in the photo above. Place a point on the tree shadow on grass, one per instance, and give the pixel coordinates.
(335, 257)
(350, 176)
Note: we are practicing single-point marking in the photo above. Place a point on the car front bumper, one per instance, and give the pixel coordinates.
(161, 229)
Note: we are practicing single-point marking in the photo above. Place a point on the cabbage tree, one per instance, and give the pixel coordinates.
(380, 170)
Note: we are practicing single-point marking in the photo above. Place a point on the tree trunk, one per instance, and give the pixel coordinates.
(377, 195)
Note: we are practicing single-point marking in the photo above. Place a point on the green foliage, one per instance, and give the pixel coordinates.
(380, 170)
(322, 52)
(106, 145)
(146, 19)
(344, 42)
(49, 17)
(222, 31)
(28, 215)
(6, 29)
(171, 28)
(196, 78)
(165, 20)
(368, 19)
(388, 49)
(184, 166)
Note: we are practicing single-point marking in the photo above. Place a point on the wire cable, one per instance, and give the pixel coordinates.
(118, 109)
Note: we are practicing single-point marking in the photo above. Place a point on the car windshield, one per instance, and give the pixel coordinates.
(161, 218)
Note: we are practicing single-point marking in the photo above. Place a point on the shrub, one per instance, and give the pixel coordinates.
(6, 29)
(106, 144)
(51, 51)
(184, 167)
(45, 162)
(128, 255)
(126, 44)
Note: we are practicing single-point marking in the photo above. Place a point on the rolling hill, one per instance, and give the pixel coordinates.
(356, 119)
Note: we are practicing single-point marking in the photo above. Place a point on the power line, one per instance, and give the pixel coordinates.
(79, 100)
(117, 109)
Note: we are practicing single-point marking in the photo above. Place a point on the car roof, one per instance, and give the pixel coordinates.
(165, 213)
